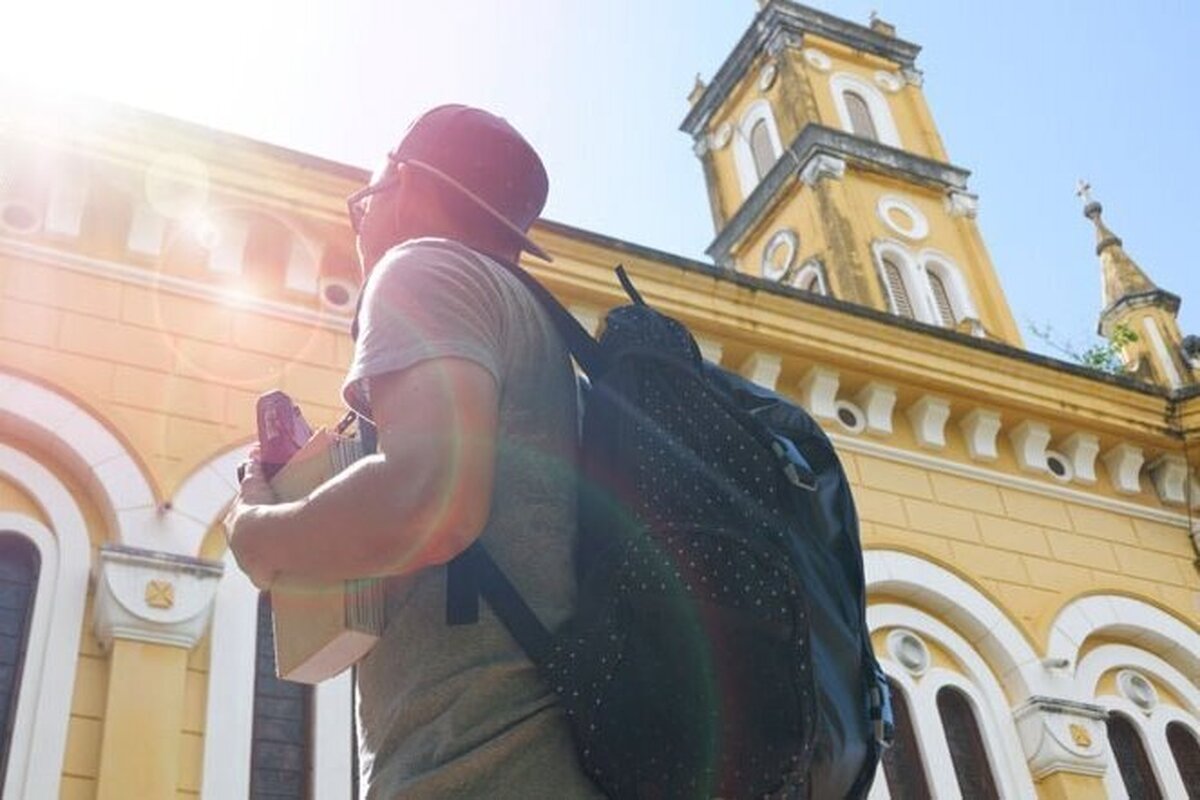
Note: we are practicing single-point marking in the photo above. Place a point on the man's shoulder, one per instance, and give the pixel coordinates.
(433, 252)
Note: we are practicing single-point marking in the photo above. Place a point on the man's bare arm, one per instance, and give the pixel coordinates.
(421, 500)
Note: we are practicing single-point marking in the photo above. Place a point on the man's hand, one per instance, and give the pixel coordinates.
(245, 517)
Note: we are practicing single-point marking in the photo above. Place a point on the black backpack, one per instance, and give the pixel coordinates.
(719, 646)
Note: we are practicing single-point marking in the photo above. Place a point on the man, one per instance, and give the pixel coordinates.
(473, 396)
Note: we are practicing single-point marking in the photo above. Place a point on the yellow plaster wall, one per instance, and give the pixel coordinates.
(1029, 553)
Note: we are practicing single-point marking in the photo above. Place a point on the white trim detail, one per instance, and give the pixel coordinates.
(146, 596)
(762, 369)
(65, 207)
(973, 616)
(787, 239)
(978, 683)
(877, 104)
(229, 718)
(1082, 449)
(914, 282)
(146, 230)
(918, 227)
(743, 157)
(809, 270)
(303, 267)
(998, 478)
(226, 243)
(1029, 441)
(928, 418)
(1160, 351)
(1124, 464)
(711, 349)
(1169, 474)
(818, 392)
(888, 81)
(38, 255)
(822, 165)
(940, 264)
(1138, 623)
(980, 429)
(43, 711)
(962, 204)
(845, 408)
(587, 316)
(878, 400)
(817, 59)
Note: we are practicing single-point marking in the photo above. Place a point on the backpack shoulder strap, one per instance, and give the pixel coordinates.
(477, 574)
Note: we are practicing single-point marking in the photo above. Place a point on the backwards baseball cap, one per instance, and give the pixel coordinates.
(485, 160)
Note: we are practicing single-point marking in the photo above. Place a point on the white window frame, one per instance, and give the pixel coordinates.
(978, 682)
(743, 157)
(43, 708)
(1151, 727)
(810, 268)
(910, 273)
(877, 105)
(944, 267)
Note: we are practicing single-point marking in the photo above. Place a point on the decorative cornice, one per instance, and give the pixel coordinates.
(781, 17)
(154, 597)
(823, 145)
(147, 278)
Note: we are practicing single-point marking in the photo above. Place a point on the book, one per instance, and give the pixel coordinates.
(321, 629)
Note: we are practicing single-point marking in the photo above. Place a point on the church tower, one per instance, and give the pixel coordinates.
(1131, 299)
(825, 172)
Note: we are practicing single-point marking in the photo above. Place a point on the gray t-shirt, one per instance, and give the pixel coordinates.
(459, 712)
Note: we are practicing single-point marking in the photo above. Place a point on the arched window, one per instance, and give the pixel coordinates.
(281, 744)
(970, 758)
(756, 145)
(19, 567)
(761, 148)
(902, 763)
(892, 275)
(1186, 752)
(860, 116)
(941, 299)
(1132, 760)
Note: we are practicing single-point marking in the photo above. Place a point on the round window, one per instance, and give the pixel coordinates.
(337, 294)
(1059, 466)
(902, 217)
(850, 416)
(779, 254)
(19, 218)
(908, 650)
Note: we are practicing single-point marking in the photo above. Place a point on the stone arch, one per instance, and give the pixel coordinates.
(1135, 622)
(126, 495)
(974, 616)
(52, 651)
(978, 682)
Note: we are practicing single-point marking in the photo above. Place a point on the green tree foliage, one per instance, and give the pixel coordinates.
(1103, 356)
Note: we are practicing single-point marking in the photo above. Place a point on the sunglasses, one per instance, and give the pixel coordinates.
(356, 204)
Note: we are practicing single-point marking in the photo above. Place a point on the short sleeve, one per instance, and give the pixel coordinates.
(425, 300)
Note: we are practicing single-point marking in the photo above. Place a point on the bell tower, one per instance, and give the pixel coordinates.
(825, 172)
(1157, 354)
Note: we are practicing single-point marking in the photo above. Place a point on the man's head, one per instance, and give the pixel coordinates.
(459, 173)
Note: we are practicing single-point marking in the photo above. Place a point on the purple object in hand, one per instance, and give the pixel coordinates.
(281, 430)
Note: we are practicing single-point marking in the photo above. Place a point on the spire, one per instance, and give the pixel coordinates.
(1121, 277)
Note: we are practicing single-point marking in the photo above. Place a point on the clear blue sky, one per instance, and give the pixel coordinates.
(1029, 96)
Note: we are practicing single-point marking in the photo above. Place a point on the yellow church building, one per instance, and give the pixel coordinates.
(1028, 527)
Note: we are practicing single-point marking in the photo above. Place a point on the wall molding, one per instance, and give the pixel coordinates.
(997, 478)
(40, 255)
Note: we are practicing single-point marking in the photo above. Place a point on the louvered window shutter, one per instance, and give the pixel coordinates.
(942, 299)
(281, 742)
(1186, 752)
(902, 765)
(860, 116)
(901, 303)
(761, 149)
(19, 568)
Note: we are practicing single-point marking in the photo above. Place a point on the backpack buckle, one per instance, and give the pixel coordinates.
(795, 467)
(882, 715)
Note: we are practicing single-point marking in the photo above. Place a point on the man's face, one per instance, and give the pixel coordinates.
(377, 229)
